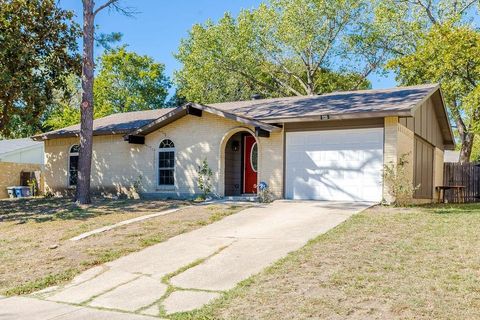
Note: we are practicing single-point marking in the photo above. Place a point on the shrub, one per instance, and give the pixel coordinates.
(204, 179)
(398, 181)
(264, 193)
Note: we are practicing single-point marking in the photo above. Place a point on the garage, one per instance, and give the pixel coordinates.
(336, 165)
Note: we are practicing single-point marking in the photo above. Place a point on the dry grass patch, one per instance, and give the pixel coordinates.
(385, 263)
(34, 246)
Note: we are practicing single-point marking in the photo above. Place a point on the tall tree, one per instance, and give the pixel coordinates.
(434, 41)
(284, 47)
(449, 55)
(127, 81)
(38, 49)
(86, 107)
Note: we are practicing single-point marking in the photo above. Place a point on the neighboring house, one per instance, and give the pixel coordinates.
(21, 151)
(451, 156)
(327, 147)
(20, 157)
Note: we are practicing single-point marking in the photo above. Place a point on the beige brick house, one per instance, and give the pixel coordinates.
(326, 147)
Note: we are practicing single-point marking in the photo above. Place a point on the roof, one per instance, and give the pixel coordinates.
(8, 146)
(362, 103)
(184, 110)
(118, 123)
(265, 113)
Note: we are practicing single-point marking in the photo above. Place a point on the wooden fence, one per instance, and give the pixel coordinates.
(468, 175)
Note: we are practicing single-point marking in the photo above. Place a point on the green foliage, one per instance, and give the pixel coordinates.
(294, 47)
(265, 195)
(400, 186)
(65, 110)
(37, 51)
(434, 41)
(449, 54)
(129, 82)
(106, 40)
(455, 63)
(204, 179)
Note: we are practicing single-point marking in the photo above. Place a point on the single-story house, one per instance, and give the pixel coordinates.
(326, 147)
(23, 150)
(21, 160)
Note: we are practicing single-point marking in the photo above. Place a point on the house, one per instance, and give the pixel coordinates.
(19, 157)
(21, 151)
(325, 147)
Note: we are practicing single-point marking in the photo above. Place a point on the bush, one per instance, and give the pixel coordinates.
(204, 179)
(398, 182)
(264, 193)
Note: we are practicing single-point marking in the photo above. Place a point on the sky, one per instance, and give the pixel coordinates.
(159, 25)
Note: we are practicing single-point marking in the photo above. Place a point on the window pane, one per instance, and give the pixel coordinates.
(73, 178)
(73, 163)
(166, 159)
(166, 177)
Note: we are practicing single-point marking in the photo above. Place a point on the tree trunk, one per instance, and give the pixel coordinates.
(466, 149)
(86, 108)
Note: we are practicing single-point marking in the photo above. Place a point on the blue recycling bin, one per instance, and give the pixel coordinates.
(22, 192)
(18, 192)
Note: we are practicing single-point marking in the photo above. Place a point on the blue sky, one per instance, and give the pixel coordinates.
(160, 25)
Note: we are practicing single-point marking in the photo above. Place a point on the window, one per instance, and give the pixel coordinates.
(166, 163)
(73, 165)
(254, 157)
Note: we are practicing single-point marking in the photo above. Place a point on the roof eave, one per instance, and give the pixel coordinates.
(182, 111)
(353, 115)
(76, 134)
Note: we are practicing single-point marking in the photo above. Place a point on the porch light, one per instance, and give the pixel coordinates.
(235, 145)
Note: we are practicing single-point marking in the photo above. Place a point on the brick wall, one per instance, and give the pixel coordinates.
(10, 175)
(399, 141)
(117, 164)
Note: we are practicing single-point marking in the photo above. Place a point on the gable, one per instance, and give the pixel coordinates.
(430, 122)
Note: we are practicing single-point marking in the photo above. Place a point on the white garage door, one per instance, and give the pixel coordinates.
(335, 165)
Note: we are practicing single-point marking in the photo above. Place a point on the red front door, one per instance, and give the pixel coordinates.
(250, 156)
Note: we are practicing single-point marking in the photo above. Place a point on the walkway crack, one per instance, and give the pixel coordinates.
(171, 288)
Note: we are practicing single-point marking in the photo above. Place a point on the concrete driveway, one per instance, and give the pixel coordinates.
(192, 269)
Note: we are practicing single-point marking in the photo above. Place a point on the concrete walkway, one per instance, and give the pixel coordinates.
(192, 269)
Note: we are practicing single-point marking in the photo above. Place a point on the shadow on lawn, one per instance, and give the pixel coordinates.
(43, 209)
(454, 208)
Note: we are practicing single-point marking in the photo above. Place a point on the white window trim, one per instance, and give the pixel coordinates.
(70, 154)
(166, 187)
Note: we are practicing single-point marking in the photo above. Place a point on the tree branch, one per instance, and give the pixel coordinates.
(127, 11)
(103, 6)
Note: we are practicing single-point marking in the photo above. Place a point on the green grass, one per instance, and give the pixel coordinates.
(35, 250)
(42, 283)
(385, 263)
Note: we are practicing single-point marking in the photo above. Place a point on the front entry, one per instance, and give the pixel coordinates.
(250, 155)
(241, 158)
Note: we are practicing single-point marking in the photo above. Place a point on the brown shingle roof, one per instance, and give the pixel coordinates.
(366, 103)
(118, 123)
(395, 101)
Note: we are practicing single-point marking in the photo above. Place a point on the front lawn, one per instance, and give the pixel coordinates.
(35, 251)
(384, 263)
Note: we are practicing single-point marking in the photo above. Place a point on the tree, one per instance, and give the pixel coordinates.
(282, 48)
(86, 107)
(449, 55)
(38, 49)
(65, 109)
(129, 82)
(413, 32)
